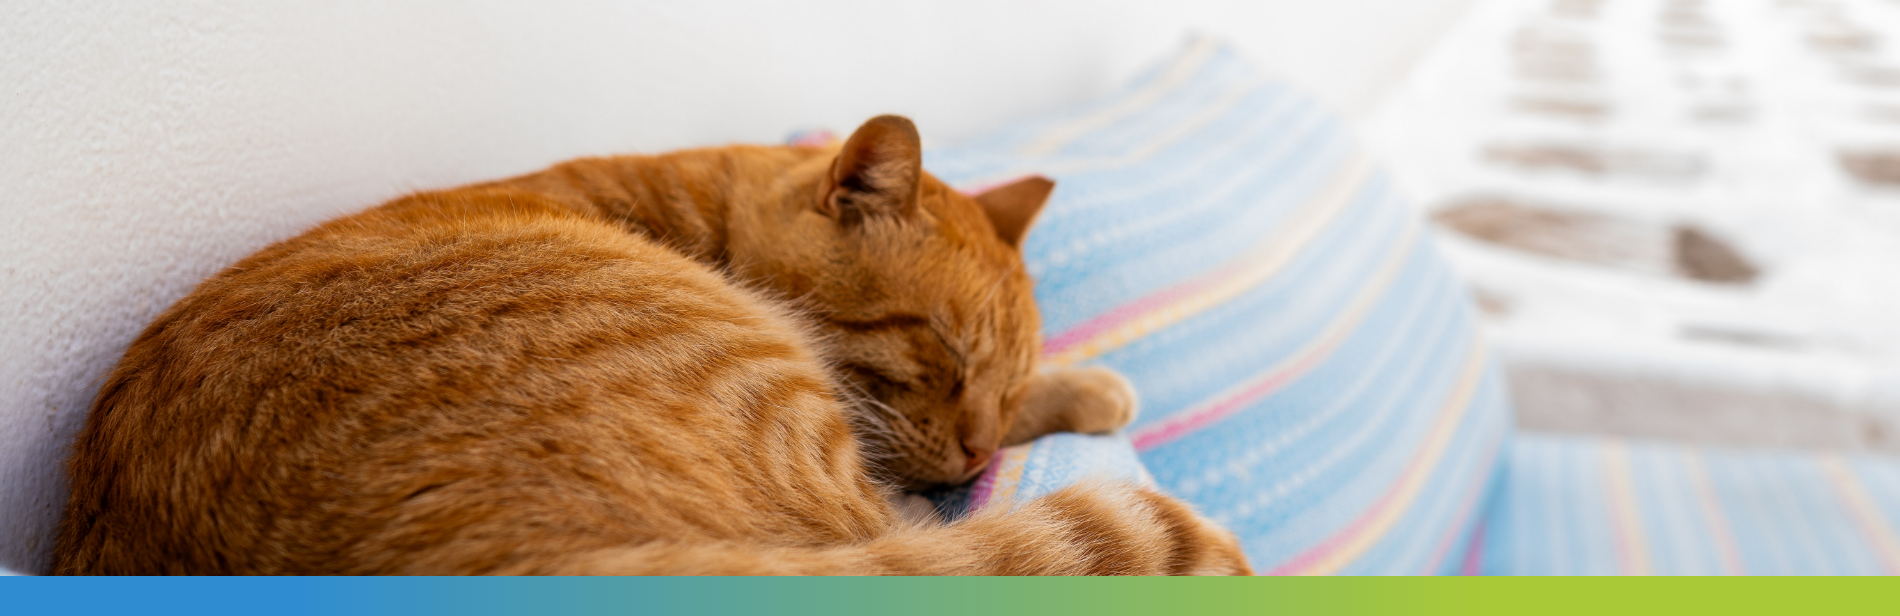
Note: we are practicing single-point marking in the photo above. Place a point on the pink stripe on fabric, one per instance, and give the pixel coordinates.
(1288, 370)
(1466, 511)
(1246, 272)
(1305, 563)
(1474, 555)
(1128, 312)
(1713, 519)
(1867, 516)
(986, 483)
(1336, 551)
(1626, 522)
(1185, 423)
(1000, 480)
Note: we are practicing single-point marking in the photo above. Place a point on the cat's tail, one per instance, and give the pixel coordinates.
(1093, 529)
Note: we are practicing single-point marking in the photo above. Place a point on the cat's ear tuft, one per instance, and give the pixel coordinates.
(877, 173)
(1011, 207)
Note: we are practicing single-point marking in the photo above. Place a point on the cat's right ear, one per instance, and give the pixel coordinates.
(877, 173)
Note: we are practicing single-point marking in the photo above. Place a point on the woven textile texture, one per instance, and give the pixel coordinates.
(1576, 505)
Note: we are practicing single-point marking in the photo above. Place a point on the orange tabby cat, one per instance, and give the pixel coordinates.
(626, 365)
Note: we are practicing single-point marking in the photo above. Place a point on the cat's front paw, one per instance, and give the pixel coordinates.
(1089, 400)
(1100, 399)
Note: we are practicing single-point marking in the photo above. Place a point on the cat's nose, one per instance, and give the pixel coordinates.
(976, 457)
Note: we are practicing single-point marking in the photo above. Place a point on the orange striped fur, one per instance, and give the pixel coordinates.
(711, 361)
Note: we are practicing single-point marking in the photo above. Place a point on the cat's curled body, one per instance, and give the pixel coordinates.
(558, 374)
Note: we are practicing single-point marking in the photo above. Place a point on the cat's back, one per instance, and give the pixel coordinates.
(467, 381)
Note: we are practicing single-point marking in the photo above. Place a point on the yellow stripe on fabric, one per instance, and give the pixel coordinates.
(1191, 61)
(1275, 252)
(1713, 519)
(1450, 418)
(1625, 515)
(1298, 362)
(1874, 525)
(1010, 476)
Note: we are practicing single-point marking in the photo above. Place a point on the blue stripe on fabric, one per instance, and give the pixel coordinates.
(1298, 427)
(1488, 424)
(1468, 556)
(1795, 523)
(1840, 539)
(1108, 211)
(1288, 511)
(1237, 492)
(1124, 255)
(1597, 546)
(1182, 365)
(1500, 517)
(1520, 514)
(1758, 531)
(1302, 394)
(1329, 446)
(1127, 200)
(1803, 483)
(1551, 477)
(1781, 506)
(1407, 548)
(1806, 490)
(1679, 542)
(1881, 476)
(1539, 478)
(1652, 513)
(1472, 454)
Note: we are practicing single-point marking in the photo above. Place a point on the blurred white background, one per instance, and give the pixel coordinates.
(1681, 216)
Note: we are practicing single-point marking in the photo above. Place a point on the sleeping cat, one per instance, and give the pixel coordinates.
(714, 361)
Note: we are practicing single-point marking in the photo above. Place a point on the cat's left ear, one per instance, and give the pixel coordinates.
(878, 172)
(1011, 207)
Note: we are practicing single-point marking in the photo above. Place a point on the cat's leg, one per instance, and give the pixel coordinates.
(1091, 399)
(1091, 529)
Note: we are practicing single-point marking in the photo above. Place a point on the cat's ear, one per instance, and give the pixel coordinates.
(877, 173)
(1011, 207)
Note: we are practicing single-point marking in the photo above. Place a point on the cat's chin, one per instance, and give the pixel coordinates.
(964, 479)
(913, 483)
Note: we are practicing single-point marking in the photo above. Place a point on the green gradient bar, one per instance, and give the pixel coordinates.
(948, 596)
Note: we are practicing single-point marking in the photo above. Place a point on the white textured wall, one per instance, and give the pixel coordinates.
(144, 145)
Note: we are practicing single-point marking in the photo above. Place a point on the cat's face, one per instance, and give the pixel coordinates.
(922, 296)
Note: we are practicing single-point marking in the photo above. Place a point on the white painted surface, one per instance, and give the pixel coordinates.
(144, 145)
(1808, 355)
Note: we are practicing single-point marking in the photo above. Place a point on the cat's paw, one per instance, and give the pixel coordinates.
(1099, 399)
(1089, 400)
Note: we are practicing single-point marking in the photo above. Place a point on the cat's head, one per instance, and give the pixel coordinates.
(926, 307)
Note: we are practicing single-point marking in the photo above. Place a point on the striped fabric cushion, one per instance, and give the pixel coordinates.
(1309, 370)
(1588, 506)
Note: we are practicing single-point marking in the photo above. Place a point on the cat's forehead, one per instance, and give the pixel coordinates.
(965, 218)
